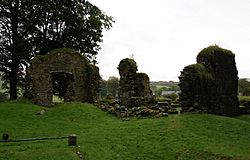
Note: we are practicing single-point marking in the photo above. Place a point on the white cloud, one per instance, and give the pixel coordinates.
(167, 35)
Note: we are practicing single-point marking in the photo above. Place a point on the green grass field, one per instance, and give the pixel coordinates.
(104, 137)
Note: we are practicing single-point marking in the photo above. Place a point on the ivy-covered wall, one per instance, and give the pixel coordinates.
(211, 85)
(195, 82)
(83, 86)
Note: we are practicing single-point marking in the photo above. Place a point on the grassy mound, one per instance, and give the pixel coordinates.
(102, 136)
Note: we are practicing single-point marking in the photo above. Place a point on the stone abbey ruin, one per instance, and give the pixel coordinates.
(211, 85)
(134, 88)
(135, 97)
(80, 78)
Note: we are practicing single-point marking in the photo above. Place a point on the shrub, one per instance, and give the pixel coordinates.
(244, 104)
(3, 97)
(172, 96)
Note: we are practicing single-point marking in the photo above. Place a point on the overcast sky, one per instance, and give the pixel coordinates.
(166, 35)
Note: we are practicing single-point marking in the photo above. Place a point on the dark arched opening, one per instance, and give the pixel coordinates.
(62, 86)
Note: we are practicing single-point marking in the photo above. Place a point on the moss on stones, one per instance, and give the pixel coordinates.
(134, 88)
(211, 84)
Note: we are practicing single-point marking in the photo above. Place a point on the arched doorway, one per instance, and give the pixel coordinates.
(62, 86)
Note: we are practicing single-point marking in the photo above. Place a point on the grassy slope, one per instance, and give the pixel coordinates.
(101, 136)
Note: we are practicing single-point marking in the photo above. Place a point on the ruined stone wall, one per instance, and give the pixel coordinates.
(195, 82)
(92, 83)
(221, 63)
(211, 84)
(134, 88)
(39, 76)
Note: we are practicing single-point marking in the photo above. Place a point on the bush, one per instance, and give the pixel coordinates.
(3, 97)
(172, 96)
(244, 104)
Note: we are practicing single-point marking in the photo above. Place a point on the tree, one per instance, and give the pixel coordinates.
(15, 48)
(160, 89)
(103, 88)
(36, 27)
(244, 87)
(72, 24)
(112, 85)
